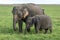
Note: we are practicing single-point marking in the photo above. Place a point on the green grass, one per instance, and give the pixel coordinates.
(6, 28)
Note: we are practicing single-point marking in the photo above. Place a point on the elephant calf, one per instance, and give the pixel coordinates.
(40, 22)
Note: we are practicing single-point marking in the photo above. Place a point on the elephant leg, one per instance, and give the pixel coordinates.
(50, 29)
(45, 31)
(28, 28)
(36, 28)
(20, 25)
(40, 28)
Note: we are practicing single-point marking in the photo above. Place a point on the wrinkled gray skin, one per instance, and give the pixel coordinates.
(40, 22)
(18, 13)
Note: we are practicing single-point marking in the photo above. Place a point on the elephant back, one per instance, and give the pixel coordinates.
(34, 10)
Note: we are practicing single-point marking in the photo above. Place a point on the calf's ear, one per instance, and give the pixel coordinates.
(25, 13)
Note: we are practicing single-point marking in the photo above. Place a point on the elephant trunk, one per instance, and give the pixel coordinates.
(14, 22)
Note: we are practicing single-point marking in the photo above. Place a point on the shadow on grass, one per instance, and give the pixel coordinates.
(8, 31)
(11, 31)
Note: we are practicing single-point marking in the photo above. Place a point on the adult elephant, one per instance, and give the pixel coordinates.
(24, 11)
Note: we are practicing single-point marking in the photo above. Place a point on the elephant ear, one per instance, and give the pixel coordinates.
(25, 12)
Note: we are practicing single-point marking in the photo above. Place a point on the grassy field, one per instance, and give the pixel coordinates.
(6, 28)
